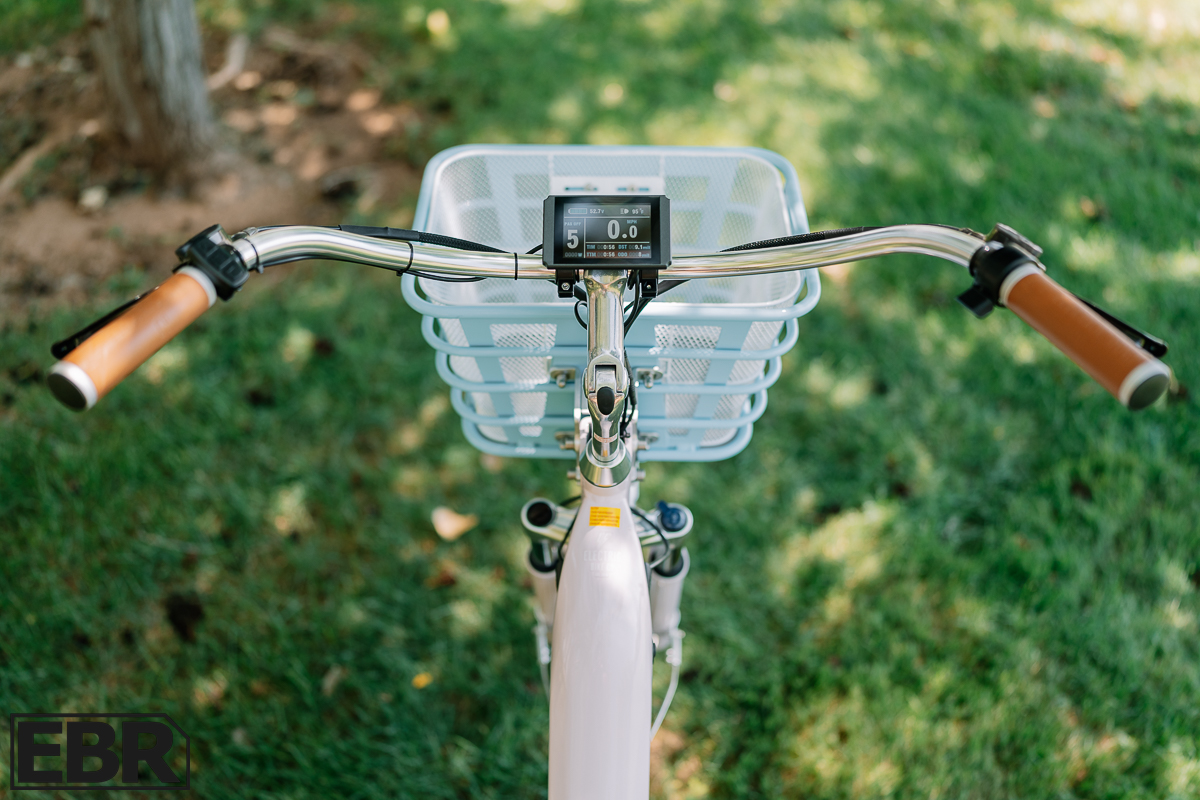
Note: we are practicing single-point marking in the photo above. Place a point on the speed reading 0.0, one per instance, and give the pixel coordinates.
(588, 230)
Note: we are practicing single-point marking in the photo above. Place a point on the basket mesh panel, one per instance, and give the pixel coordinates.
(531, 224)
(482, 223)
(535, 187)
(752, 184)
(730, 406)
(525, 369)
(490, 290)
(484, 406)
(685, 229)
(717, 436)
(738, 228)
(524, 335)
(467, 179)
(568, 163)
(467, 368)
(463, 366)
(681, 406)
(452, 329)
(692, 337)
(746, 371)
(529, 404)
(684, 370)
(761, 335)
(686, 188)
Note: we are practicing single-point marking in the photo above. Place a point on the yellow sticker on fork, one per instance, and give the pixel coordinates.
(605, 517)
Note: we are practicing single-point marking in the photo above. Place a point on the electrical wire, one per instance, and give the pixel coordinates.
(675, 659)
(658, 529)
(820, 236)
(631, 406)
(637, 305)
(415, 273)
(424, 237)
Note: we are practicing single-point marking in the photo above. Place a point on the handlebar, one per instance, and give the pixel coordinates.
(272, 246)
(1129, 373)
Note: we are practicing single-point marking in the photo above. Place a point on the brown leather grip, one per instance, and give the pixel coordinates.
(1125, 370)
(106, 357)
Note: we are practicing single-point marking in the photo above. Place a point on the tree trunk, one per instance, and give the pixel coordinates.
(149, 54)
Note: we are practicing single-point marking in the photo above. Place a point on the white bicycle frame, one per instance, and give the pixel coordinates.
(603, 659)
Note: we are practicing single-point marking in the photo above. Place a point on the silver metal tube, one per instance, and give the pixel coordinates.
(296, 242)
(606, 314)
(950, 244)
(606, 370)
(278, 245)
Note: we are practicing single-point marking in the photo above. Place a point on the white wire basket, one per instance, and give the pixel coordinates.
(711, 347)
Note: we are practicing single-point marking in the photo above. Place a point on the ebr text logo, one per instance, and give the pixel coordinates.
(97, 751)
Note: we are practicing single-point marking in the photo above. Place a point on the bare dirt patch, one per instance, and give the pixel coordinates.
(303, 140)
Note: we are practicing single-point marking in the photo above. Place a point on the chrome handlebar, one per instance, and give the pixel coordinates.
(269, 246)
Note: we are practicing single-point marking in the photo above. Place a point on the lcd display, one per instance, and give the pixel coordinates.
(593, 230)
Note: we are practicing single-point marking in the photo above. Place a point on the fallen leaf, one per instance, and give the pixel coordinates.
(378, 123)
(247, 80)
(450, 524)
(279, 114)
(332, 678)
(1044, 107)
(363, 99)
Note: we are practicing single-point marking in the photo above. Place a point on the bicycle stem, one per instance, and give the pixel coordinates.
(605, 460)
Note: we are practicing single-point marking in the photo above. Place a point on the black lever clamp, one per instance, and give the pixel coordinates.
(1004, 251)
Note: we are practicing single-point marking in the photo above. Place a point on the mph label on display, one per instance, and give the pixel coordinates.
(607, 231)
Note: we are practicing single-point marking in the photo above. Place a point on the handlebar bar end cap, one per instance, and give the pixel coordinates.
(1145, 385)
(72, 386)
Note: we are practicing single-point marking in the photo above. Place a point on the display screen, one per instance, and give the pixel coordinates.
(582, 231)
(606, 230)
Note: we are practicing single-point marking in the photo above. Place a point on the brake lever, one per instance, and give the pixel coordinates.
(1151, 344)
(64, 346)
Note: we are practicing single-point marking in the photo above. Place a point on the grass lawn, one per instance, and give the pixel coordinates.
(948, 565)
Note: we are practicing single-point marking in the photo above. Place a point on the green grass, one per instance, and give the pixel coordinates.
(947, 565)
(25, 24)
